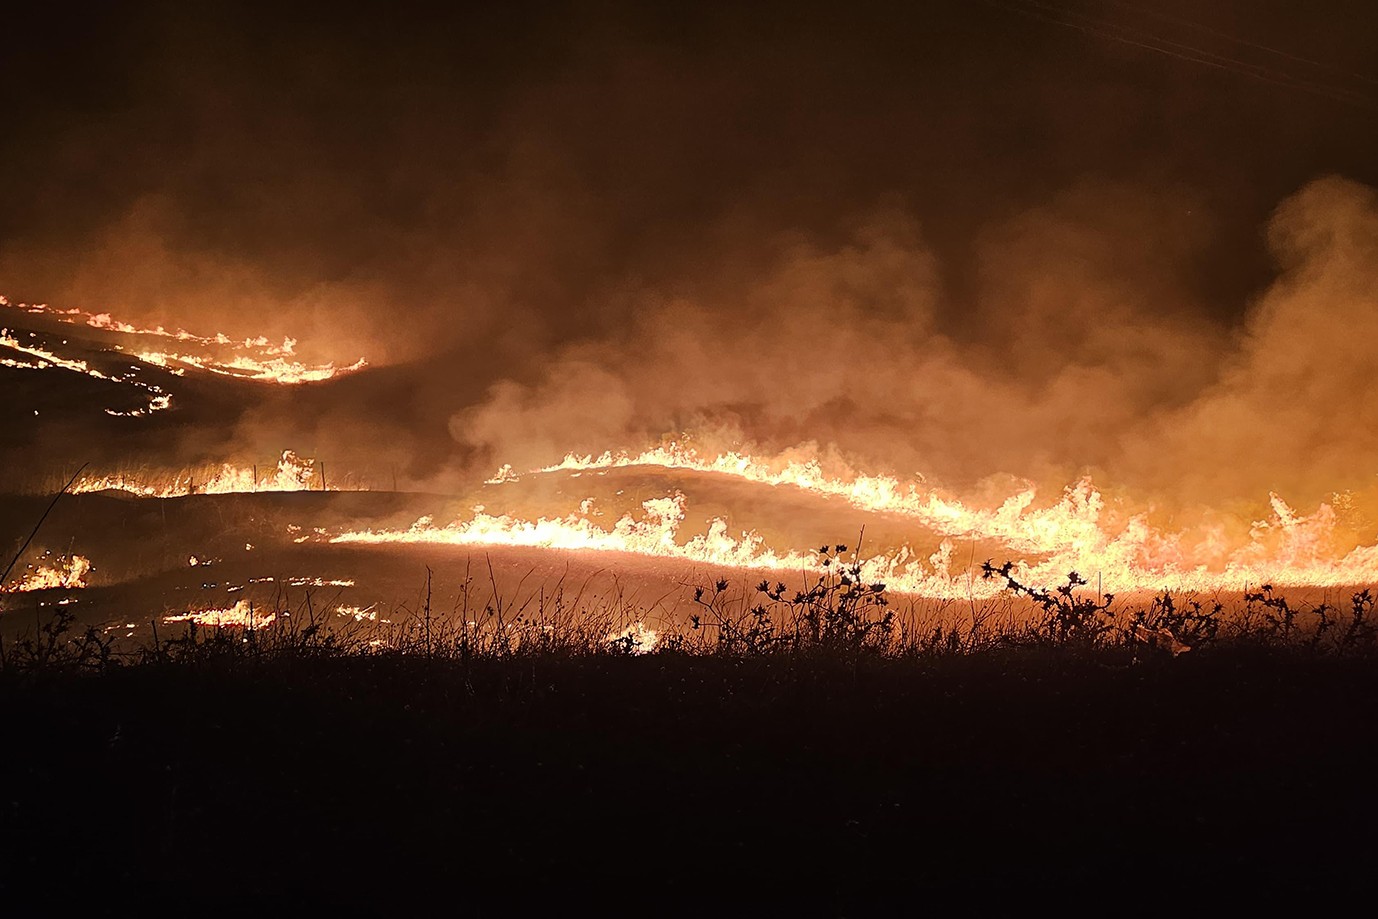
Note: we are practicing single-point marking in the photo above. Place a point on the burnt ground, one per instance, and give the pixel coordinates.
(666, 784)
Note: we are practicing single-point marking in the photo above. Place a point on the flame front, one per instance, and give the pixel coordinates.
(67, 572)
(241, 615)
(255, 359)
(1079, 529)
(653, 535)
(1286, 548)
(292, 473)
(1076, 533)
(158, 399)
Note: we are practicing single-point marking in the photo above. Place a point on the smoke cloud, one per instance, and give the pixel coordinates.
(958, 242)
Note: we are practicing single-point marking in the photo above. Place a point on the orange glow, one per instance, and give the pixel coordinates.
(270, 370)
(1076, 533)
(292, 473)
(256, 359)
(158, 399)
(1073, 534)
(68, 572)
(654, 534)
(636, 638)
(241, 615)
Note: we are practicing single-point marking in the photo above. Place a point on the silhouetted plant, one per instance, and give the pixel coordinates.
(1359, 632)
(55, 645)
(839, 611)
(1069, 617)
(1173, 626)
(1279, 616)
(741, 631)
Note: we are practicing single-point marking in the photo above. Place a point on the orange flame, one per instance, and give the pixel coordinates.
(1286, 548)
(158, 399)
(636, 638)
(293, 473)
(654, 535)
(67, 573)
(241, 615)
(256, 359)
(1074, 534)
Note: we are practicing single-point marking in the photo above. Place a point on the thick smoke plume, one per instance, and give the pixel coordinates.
(1082, 357)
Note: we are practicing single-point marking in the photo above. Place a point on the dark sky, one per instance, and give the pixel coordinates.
(337, 144)
(523, 184)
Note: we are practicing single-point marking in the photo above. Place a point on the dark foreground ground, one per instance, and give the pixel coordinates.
(673, 784)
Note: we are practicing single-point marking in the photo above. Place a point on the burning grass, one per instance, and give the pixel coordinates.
(256, 359)
(290, 473)
(840, 614)
(1081, 529)
(66, 572)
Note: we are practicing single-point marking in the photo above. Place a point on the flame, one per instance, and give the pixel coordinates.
(636, 638)
(241, 615)
(318, 582)
(69, 572)
(1075, 533)
(271, 370)
(292, 473)
(1076, 529)
(158, 399)
(874, 493)
(358, 613)
(654, 534)
(257, 359)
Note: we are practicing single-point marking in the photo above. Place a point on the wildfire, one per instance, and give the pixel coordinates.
(654, 534)
(877, 494)
(359, 613)
(1075, 533)
(241, 615)
(257, 359)
(271, 370)
(158, 399)
(67, 572)
(1077, 529)
(636, 638)
(292, 473)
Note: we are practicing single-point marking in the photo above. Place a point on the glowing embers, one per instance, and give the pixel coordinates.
(292, 473)
(64, 571)
(256, 359)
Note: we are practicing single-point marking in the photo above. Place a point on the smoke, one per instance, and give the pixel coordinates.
(1086, 357)
(1295, 408)
(858, 346)
(949, 243)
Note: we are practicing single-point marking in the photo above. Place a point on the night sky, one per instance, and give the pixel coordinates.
(958, 238)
